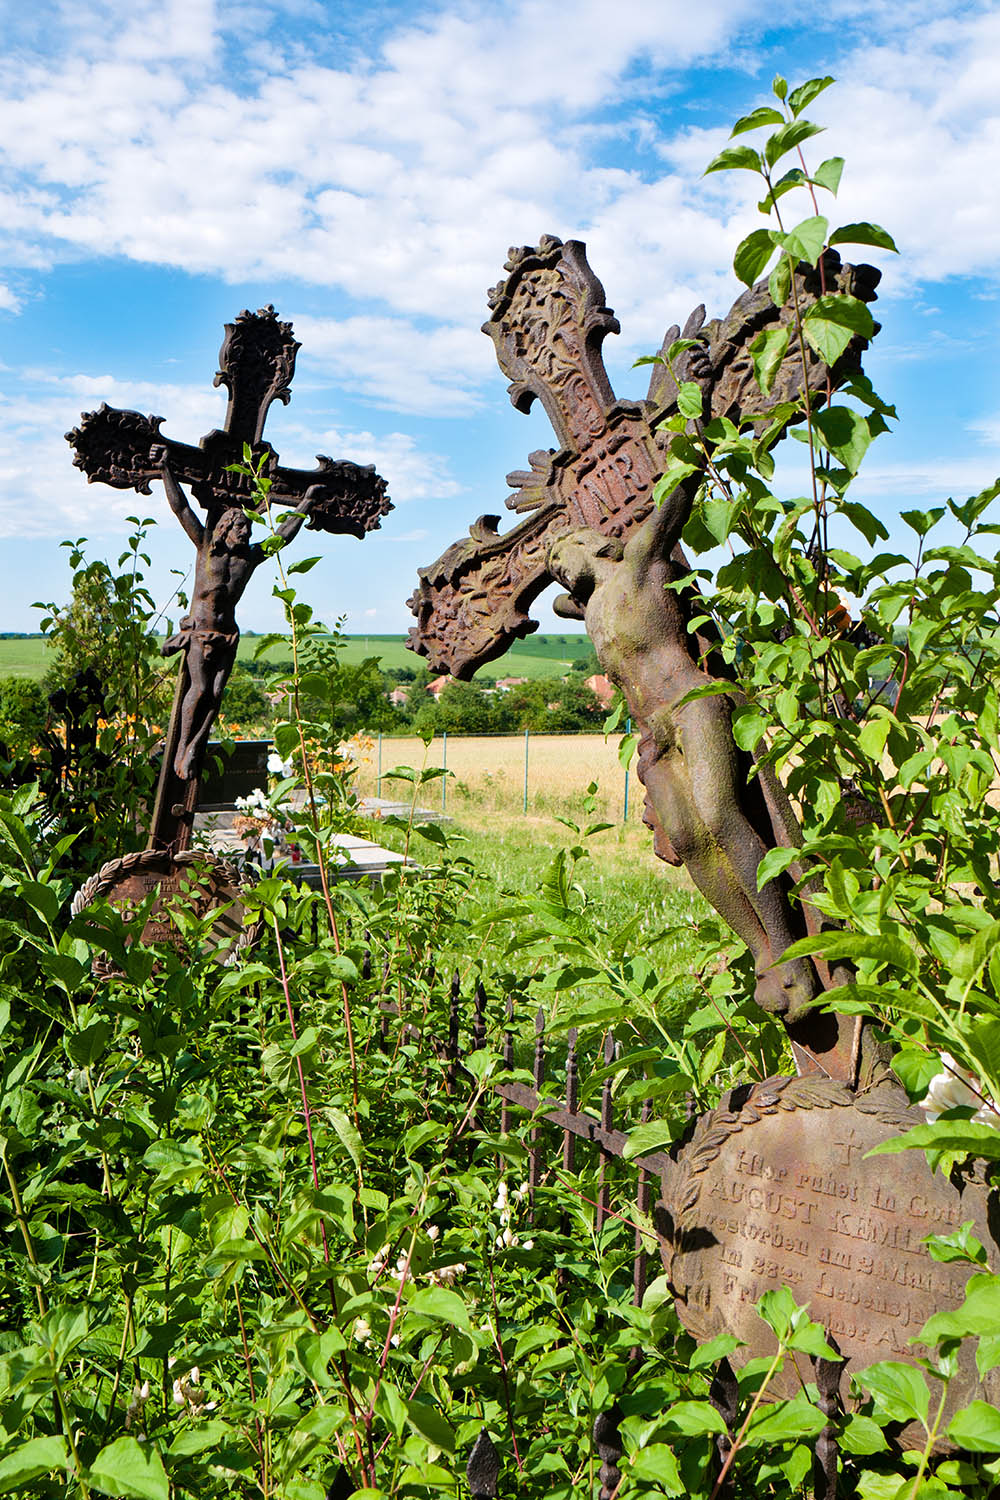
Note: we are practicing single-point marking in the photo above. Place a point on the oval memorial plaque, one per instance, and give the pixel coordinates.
(203, 882)
(776, 1188)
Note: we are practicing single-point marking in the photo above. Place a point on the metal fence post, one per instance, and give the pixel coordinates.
(378, 783)
(628, 730)
(526, 733)
(444, 767)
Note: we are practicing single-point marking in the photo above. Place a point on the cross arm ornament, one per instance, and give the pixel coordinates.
(548, 321)
(256, 365)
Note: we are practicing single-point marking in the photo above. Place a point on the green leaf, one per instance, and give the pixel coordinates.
(787, 138)
(964, 1137)
(692, 1418)
(862, 1436)
(779, 283)
(864, 234)
(627, 748)
(304, 566)
(765, 115)
(753, 255)
(689, 399)
(845, 433)
(801, 98)
(656, 1464)
(784, 1422)
(748, 728)
(85, 1047)
(126, 1468)
(540, 1336)
(827, 174)
(718, 517)
(197, 1439)
(922, 521)
(36, 1457)
(443, 1305)
(718, 1348)
(430, 1424)
(831, 323)
(348, 1135)
(646, 1138)
(872, 737)
(767, 352)
(976, 1428)
(779, 86)
(775, 862)
(900, 1390)
(806, 240)
(734, 158)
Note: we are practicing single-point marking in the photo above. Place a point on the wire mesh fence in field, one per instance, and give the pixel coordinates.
(536, 774)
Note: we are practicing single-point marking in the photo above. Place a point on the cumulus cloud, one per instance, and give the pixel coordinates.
(43, 495)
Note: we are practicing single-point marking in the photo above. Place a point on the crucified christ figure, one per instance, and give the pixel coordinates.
(700, 804)
(209, 634)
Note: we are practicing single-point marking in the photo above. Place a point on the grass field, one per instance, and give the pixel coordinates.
(510, 850)
(539, 656)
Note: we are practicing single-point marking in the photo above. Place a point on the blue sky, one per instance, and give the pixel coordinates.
(365, 168)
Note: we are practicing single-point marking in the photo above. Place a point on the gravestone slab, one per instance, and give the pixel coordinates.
(775, 1188)
(229, 774)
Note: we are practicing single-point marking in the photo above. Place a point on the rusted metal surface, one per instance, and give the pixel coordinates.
(591, 525)
(548, 322)
(203, 884)
(775, 1189)
(127, 451)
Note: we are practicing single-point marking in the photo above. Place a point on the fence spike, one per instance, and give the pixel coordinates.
(642, 1197)
(608, 1442)
(508, 1062)
(826, 1452)
(572, 1099)
(538, 1071)
(479, 1018)
(453, 1052)
(607, 1123)
(483, 1469)
(342, 1486)
(724, 1394)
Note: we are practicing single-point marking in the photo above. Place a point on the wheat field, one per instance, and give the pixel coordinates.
(488, 774)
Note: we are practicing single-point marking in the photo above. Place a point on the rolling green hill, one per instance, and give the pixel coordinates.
(538, 656)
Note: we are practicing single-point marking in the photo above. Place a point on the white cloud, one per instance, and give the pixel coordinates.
(43, 495)
(434, 371)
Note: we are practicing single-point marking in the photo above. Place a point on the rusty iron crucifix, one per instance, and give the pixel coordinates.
(127, 450)
(590, 524)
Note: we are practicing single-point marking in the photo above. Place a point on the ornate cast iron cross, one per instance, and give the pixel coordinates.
(127, 450)
(548, 322)
(589, 524)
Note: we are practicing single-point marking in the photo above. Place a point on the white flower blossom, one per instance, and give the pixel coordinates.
(140, 1395)
(362, 1330)
(432, 1231)
(956, 1088)
(447, 1275)
(254, 802)
(188, 1393)
(278, 767)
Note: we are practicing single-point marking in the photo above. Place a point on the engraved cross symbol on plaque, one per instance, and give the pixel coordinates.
(127, 450)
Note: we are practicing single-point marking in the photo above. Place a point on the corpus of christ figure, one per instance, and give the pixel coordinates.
(127, 450)
(590, 523)
(209, 635)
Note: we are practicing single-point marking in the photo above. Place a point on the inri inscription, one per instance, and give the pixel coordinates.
(777, 1189)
